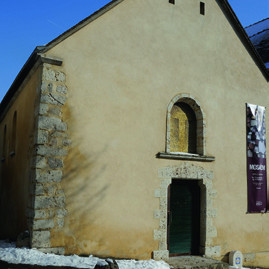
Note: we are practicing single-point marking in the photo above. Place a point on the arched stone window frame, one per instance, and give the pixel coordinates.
(200, 120)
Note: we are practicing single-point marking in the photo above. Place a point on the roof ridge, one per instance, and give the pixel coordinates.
(257, 22)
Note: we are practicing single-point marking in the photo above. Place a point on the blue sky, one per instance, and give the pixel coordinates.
(26, 24)
(250, 11)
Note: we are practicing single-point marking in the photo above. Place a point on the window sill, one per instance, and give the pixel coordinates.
(185, 156)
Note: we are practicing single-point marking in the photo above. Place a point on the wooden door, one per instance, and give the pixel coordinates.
(184, 217)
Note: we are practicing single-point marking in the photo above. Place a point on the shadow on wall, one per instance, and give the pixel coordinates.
(225, 257)
(83, 185)
(14, 181)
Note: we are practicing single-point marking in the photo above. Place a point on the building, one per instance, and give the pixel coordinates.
(259, 35)
(130, 122)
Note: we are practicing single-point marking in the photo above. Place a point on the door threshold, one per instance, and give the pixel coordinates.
(180, 254)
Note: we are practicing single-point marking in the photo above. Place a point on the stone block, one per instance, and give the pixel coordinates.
(209, 185)
(61, 89)
(49, 74)
(162, 245)
(61, 213)
(163, 214)
(210, 175)
(213, 251)
(48, 176)
(60, 76)
(43, 202)
(163, 202)
(59, 98)
(41, 162)
(43, 87)
(60, 201)
(43, 109)
(55, 163)
(51, 189)
(53, 141)
(156, 235)
(211, 213)
(40, 214)
(53, 99)
(43, 224)
(51, 123)
(161, 255)
(42, 137)
(60, 192)
(163, 224)
(51, 213)
(67, 142)
(60, 222)
(39, 190)
(55, 110)
(50, 151)
(164, 192)
(48, 99)
(50, 87)
(165, 183)
(160, 235)
(162, 172)
(40, 239)
(209, 223)
(213, 194)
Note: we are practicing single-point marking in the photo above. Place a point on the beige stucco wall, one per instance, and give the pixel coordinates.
(122, 71)
(15, 169)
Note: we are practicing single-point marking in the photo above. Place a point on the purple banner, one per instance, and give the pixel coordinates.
(256, 159)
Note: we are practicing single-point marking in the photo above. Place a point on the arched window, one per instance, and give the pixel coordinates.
(182, 129)
(185, 126)
(14, 133)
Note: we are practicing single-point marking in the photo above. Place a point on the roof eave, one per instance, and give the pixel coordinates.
(244, 38)
(35, 58)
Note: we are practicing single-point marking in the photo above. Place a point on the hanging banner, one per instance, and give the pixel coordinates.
(256, 159)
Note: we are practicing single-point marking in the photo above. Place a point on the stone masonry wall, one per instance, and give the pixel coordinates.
(47, 203)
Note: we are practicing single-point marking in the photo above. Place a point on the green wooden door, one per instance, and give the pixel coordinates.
(184, 217)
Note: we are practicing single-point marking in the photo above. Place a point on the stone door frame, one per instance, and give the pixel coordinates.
(208, 231)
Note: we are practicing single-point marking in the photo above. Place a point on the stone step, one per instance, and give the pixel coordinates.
(195, 262)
